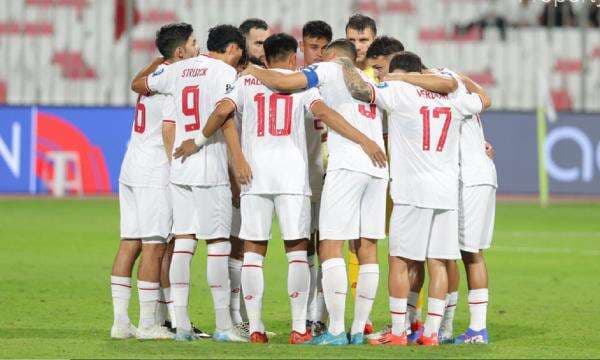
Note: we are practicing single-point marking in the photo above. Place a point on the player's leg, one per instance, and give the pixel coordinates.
(120, 279)
(185, 243)
(213, 204)
(447, 328)
(167, 318)
(416, 275)
(317, 311)
(236, 259)
(313, 270)
(372, 228)
(339, 220)
(475, 236)
(443, 246)
(294, 214)
(257, 217)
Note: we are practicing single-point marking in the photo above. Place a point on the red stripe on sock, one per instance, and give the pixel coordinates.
(127, 286)
(477, 302)
(298, 261)
(148, 289)
(250, 265)
(398, 313)
(217, 254)
(183, 252)
(434, 314)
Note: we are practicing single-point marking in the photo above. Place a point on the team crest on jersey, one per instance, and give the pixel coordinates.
(156, 73)
(382, 85)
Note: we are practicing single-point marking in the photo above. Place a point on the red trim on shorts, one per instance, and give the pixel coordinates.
(127, 286)
(183, 252)
(434, 314)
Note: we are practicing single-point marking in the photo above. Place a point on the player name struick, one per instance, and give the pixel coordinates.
(187, 73)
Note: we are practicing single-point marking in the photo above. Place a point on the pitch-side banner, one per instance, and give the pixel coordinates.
(97, 138)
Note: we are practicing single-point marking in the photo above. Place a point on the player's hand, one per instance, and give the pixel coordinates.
(248, 70)
(489, 150)
(243, 172)
(374, 152)
(186, 149)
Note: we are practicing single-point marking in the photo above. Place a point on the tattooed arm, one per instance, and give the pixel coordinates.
(359, 88)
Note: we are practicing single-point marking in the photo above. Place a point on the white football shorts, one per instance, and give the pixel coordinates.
(202, 210)
(419, 233)
(145, 212)
(352, 206)
(293, 213)
(476, 214)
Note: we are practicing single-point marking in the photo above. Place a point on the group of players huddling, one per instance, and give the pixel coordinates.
(223, 140)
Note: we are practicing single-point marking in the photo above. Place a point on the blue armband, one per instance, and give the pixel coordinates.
(312, 78)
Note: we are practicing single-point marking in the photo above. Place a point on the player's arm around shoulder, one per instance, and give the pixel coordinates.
(475, 88)
(278, 81)
(439, 83)
(138, 84)
(359, 88)
(241, 168)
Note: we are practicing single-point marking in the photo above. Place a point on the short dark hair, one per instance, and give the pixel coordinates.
(220, 36)
(253, 23)
(407, 61)
(345, 46)
(170, 36)
(317, 29)
(279, 45)
(360, 22)
(384, 46)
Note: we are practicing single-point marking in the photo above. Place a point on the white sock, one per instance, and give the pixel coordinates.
(312, 289)
(366, 290)
(478, 301)
(235, 283)
(253, 286)
(335, 286)
(120, 287)
(170, 306)
(179, 276)
(148, 296)
(398, 314)
(162, 313)
(446, 329)
(435, 311)
(413, 313)
(320, 308)
(298, 288)
(217, 273)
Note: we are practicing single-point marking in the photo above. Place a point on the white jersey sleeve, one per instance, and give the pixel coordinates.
(235, 95)
(319, 74)
(310, 97)
(169, 111)
(391, 95)
(468, 104)
(161, 81)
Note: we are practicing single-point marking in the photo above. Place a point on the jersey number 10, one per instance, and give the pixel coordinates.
(288, 102)
(437, 112)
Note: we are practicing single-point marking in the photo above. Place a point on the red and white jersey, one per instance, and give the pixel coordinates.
(145, 162)
(344, 153)
(273, 136)
(476, 168)
(196, 85)
(424, 136)
(316, 170)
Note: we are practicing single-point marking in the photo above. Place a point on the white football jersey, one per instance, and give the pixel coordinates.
(344, 153)
(145, 162)
(476, 168)
(314, 131)
(424, 136)
(273, 136)
(196, 85)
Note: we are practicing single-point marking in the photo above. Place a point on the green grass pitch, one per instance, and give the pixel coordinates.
(56, 256)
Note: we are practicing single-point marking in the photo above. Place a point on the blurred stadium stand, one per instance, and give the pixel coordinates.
(84, 52)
